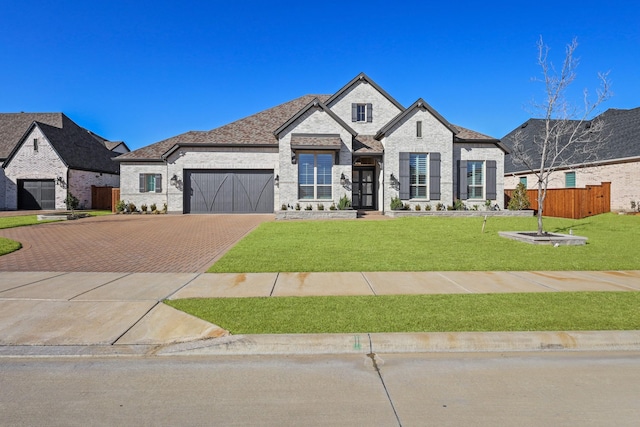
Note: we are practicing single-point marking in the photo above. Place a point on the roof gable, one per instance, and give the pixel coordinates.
(356, 80)
(76, 147)
(13, 127)
(420, 104)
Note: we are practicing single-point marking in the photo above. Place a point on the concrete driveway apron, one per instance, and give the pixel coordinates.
(128, 243)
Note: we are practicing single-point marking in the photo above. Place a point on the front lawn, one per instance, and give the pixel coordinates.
(562, 311)
(432, 244)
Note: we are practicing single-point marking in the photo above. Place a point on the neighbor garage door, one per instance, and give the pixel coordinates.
(228, 191)
(36, 194)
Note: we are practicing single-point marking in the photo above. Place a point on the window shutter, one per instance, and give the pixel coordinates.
(404, 176)
(462, 179)
(158, 183)
(491, 180)
(141, 182)
(369, 113)
(354, 112)
(434, 176)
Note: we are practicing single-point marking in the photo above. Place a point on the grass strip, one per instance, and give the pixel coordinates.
(432, 244)
(562, 311)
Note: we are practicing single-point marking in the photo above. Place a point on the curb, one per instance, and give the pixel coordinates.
(364, 344)
(309, 344)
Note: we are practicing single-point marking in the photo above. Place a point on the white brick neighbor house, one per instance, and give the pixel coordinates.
(359, 142)
(45, 156)
(618, 162)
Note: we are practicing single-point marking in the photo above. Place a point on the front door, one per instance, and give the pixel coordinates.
(364, 188)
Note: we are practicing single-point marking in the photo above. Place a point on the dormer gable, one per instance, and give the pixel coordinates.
(364, 105)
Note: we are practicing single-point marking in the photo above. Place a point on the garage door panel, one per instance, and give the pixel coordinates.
(229, 191)
(36, 194)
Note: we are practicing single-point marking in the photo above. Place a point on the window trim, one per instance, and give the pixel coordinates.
(413, 188)
(566, 179)
(523, 180)
(315, 176)
(482, 186)
(143, 182)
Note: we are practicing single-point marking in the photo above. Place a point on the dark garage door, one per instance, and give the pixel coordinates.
(228, 191)
(36, 194)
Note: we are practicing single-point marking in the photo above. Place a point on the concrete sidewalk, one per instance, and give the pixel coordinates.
(45, 313)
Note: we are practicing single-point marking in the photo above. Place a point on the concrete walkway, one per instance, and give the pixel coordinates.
(122, 313)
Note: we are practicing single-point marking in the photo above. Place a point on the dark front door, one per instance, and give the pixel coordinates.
(364, 188)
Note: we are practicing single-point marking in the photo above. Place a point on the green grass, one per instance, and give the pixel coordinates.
(563, 311)
(432, 244)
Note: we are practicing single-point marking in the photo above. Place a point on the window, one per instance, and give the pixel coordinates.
(150, 183)
(315, 176)
(362, 113)
(418, 176)
(523, 181)
(419, 129)
(570, 179)
(35, 145)
(475, 180)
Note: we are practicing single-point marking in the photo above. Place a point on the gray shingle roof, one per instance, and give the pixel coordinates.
(621, 131)
(255, 129)
(367, 144)
(316, 141)
(77, 148)
(14, 125)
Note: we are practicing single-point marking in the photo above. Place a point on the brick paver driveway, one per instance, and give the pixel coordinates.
(128, 243)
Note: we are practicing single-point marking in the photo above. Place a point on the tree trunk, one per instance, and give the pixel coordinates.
(542, 193)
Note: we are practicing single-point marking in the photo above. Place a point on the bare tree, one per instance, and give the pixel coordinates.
(567, 135)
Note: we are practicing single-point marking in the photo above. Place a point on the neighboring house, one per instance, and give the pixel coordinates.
(617, 162)
(359, 142)
(45, 156)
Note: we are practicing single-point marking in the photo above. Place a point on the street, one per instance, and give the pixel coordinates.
(481, 389)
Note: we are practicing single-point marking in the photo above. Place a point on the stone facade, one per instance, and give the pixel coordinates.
(623, 177)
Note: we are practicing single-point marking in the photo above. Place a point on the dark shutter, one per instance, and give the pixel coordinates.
(462, 180)
(158, 183)
(369, 113)
(434, 176)
(141, 183)
(354, 112)
(491, 180)
(404, 176)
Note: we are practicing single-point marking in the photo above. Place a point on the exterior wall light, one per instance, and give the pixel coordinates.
(343, 179)
(276, 180)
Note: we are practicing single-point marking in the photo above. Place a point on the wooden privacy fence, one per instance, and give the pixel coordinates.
(575, 203)
(104, 197)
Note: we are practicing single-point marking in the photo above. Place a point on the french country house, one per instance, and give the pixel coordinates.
(314, 150)
(46, 156)
(617, 162)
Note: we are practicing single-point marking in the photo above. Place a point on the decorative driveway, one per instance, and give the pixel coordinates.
(128, 243)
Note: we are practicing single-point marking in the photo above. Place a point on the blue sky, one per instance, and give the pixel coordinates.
(143, 71)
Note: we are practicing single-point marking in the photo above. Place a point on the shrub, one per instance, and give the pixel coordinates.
(72, 202)
(132, 207)
(427, 207)
(153, 207)
(458, 205)
(120, 206)
(441, 207)
(320, 207)
(332, 207)
(297, 206)
(396, 204)
(308, 208)
(344, 203)
(164, 208)
(519, 199)
(417, 207)
(144, 208)
(283, 207)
